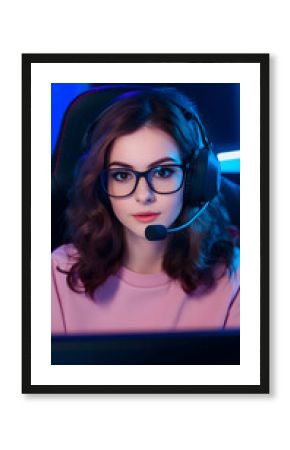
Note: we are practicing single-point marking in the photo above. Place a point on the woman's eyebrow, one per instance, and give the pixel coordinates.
(119, 163)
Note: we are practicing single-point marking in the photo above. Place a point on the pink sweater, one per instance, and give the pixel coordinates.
(132, 302)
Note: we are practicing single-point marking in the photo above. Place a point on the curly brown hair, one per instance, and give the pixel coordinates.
(191, 255)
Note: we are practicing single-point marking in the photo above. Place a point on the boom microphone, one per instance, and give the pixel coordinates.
(159, 232)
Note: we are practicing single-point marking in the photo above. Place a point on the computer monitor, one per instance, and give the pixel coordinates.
(199, 347)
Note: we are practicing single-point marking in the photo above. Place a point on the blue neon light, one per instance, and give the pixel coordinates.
(230, 161)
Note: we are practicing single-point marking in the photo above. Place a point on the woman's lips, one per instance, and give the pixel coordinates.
(146, 218)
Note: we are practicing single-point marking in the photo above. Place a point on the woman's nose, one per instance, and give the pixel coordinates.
(143, 192)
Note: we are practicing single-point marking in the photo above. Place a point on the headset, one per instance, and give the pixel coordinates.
(203, 173)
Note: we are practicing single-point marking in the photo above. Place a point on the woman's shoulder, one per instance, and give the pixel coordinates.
(65, 254)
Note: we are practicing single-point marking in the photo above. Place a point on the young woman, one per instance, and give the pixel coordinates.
(141, 169)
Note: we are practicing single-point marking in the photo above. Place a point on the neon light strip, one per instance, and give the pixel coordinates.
(229, 156)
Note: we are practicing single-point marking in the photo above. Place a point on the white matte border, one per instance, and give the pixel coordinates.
(42, 75)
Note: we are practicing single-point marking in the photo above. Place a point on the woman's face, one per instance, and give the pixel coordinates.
(140, 150)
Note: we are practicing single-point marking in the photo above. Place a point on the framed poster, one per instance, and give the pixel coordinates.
(206, 350)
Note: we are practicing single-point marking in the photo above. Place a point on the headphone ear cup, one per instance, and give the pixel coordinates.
(203, 178)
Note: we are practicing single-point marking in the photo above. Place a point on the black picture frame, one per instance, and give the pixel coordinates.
(262, 60)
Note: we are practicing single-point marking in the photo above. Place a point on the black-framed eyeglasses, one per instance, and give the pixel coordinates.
(162, 179)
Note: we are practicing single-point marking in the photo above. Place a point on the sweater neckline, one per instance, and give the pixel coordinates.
(142, 279)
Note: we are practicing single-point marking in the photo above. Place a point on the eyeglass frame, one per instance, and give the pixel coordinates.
(144, 174)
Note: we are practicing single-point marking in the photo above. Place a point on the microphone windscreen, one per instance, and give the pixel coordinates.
(155, 232)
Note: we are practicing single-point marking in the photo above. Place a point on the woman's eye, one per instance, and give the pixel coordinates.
(121, 176)
(164, 172)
